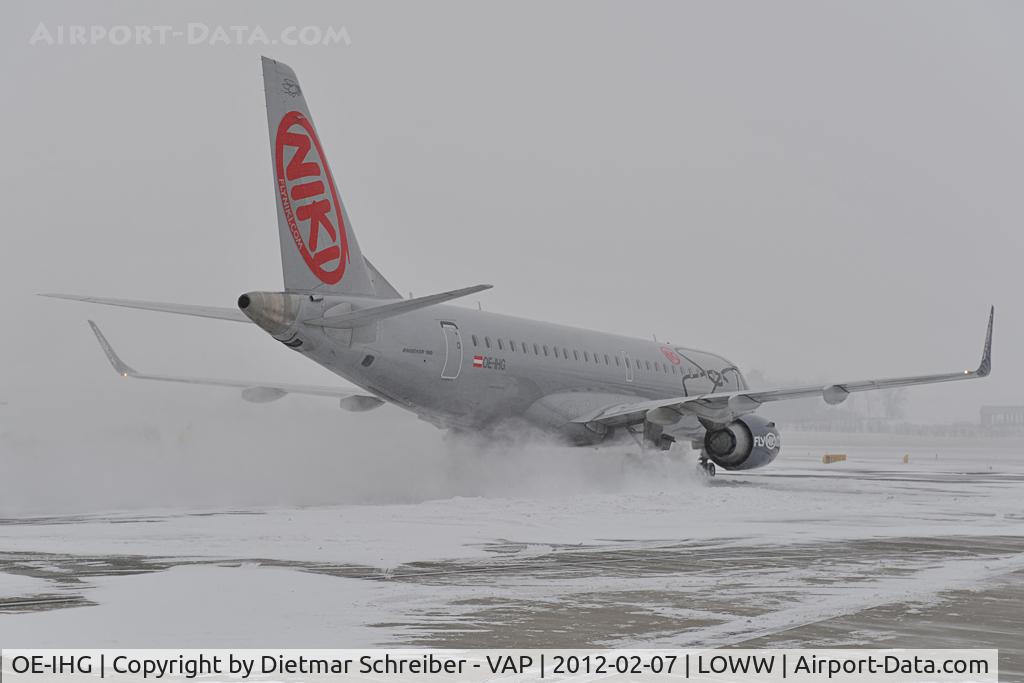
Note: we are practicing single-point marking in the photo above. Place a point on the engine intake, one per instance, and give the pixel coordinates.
(746, 443)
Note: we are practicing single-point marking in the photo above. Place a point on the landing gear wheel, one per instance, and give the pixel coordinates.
(706, 466)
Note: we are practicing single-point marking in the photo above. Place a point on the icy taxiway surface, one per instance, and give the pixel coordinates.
(871, 551)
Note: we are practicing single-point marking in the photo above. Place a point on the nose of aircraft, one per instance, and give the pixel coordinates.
(275, 312)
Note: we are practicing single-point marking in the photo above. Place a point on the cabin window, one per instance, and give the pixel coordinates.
(606, 361)
(565, 353)
(523, 345)
(618, 363)
(638, 364)
(536, 350)
(545, 347)
(501, 347)
(586, 356)
(487, 342)
(475, 341)
(674, 372)
(597, 359)
(646, 362)
(575, 354)
(511, 345)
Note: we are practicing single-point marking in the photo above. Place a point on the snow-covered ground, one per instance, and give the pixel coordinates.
(679, 559)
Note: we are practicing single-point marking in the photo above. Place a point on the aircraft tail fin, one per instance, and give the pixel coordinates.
(319, 251)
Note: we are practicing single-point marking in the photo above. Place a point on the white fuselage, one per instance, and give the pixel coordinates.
(467, 369)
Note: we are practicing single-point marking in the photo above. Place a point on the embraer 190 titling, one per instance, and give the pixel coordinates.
(469, 370)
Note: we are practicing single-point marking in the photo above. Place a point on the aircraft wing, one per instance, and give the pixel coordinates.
(255, 392)
(182, 309)
(726, 406)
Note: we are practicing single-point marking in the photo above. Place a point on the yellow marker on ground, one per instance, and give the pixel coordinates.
(830, 458)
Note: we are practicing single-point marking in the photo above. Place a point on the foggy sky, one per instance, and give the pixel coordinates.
(820, 191)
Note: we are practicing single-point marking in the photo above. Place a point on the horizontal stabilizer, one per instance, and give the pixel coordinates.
(364, 316)
(182, 309)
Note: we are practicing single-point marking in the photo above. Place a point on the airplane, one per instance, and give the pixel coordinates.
(473, 371)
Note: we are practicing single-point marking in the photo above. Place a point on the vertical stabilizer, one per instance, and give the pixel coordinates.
(319, 251)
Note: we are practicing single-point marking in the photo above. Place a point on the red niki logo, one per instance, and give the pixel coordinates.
(672, 356)
(315, 221)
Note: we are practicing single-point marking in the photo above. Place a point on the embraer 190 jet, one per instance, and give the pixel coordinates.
(472, 371)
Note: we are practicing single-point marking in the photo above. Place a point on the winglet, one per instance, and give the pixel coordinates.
(122, 368)
(985, 367)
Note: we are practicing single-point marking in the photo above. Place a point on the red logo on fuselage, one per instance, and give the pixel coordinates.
(315, 220)
(672, 356)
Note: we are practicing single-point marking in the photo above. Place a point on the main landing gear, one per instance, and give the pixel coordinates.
(652, 437)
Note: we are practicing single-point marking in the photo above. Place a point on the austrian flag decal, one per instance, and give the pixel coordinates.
(489, 362)
(309, 199)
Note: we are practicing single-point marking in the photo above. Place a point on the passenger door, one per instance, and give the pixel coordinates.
(452, 350)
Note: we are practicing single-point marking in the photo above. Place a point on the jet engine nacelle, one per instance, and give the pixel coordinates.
(746, 443)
